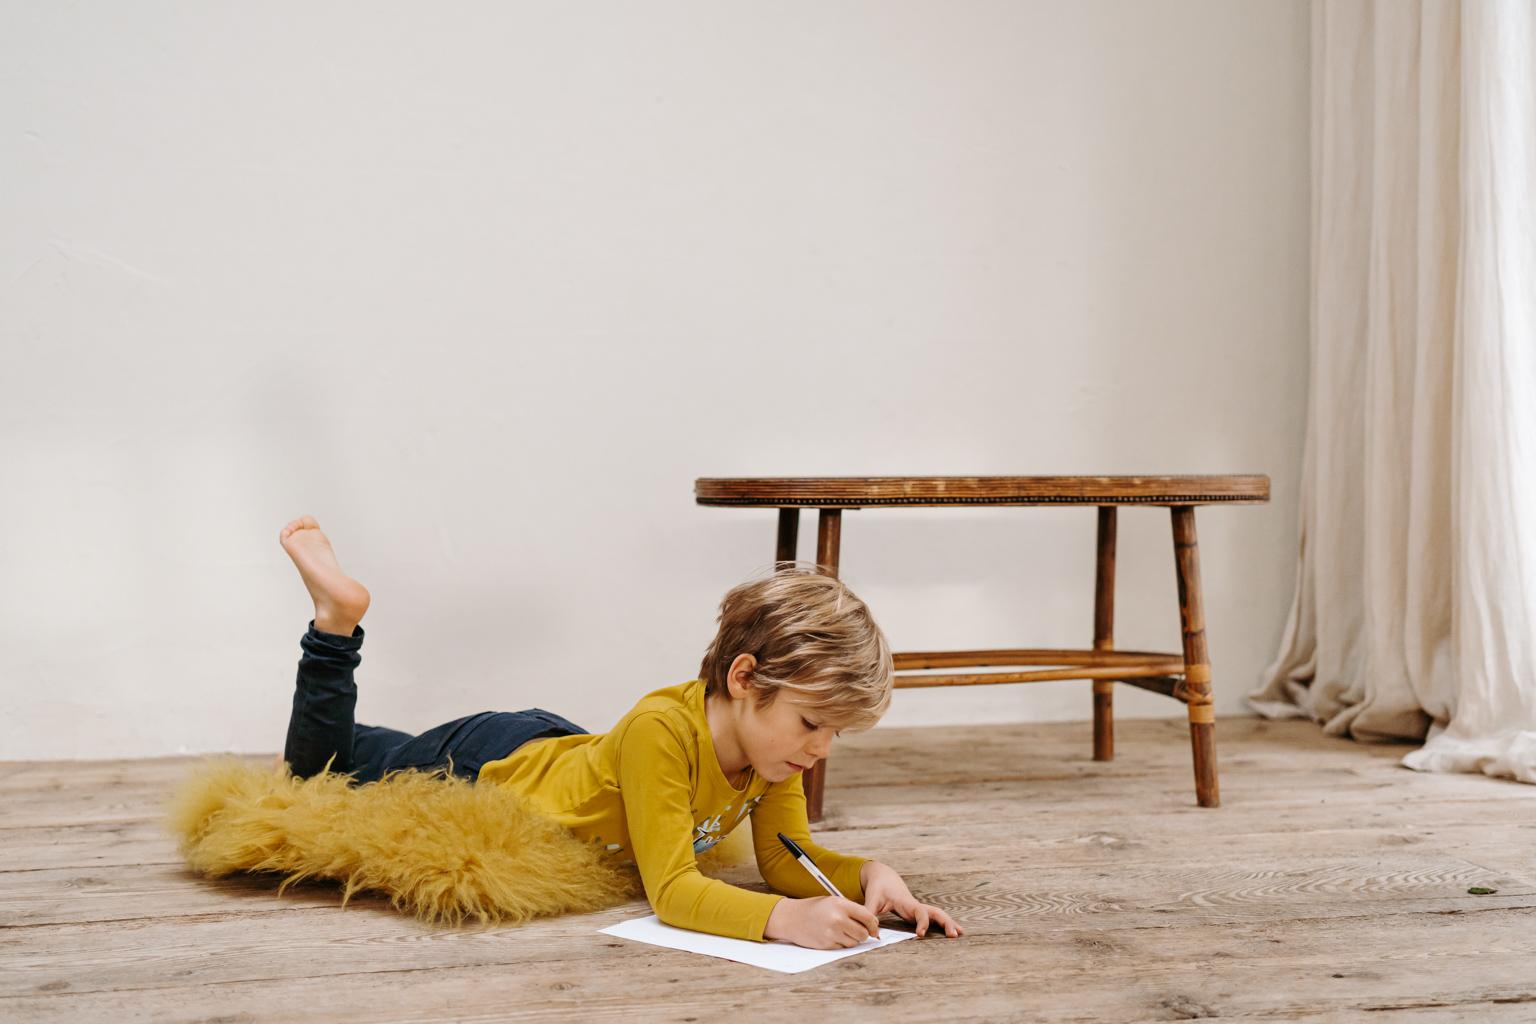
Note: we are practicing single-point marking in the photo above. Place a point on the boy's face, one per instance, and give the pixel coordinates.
(786, 737)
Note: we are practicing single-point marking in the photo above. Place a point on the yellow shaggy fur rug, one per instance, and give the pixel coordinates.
(439, 846)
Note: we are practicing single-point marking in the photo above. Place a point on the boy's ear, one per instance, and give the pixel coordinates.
(738, 678)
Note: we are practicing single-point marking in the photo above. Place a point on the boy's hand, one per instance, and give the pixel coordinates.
(884, 890)
(821, 922)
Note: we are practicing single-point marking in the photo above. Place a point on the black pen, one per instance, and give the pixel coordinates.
(809, 865)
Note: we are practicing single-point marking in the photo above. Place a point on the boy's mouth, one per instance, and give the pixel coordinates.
(796, 767)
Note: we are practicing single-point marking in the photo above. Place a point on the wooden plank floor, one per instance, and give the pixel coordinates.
(1331, 885)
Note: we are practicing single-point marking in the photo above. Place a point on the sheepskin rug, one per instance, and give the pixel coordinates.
(442, 848)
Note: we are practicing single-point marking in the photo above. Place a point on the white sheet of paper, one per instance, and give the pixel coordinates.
(775, 955)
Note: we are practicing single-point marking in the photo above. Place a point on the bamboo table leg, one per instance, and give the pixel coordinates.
(1104, 636)
(829, 530)
(1197, 662)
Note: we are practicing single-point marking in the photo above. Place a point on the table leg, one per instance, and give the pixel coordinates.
(1104, 636)
(1197, 661)
(829, 534)
(789, 536)
(829, 529)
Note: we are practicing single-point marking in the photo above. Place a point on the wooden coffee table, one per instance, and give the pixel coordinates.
(1184, 676)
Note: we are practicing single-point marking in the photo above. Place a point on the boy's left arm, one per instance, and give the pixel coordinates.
(878, 886)
(782, 809)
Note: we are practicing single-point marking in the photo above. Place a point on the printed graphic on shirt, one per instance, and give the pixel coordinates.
(708, 832)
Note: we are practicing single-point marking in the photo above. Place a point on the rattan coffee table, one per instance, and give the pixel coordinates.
(1184, 676)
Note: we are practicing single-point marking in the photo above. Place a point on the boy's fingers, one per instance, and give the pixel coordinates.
(951, 928)
(922, 920)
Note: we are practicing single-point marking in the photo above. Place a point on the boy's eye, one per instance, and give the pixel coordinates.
(808, 725)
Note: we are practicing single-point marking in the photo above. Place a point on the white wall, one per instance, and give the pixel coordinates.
(484, 287)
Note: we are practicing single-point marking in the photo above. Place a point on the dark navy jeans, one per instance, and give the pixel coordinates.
(322, 725)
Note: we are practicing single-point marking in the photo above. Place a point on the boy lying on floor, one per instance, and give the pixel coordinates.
(796, 659)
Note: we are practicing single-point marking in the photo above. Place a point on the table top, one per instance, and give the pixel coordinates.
(877, 491)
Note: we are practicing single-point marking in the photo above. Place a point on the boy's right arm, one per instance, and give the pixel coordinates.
(653, 782)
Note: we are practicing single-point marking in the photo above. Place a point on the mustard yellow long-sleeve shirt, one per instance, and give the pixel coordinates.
(652, 792)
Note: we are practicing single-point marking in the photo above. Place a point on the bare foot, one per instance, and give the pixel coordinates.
(340, 600)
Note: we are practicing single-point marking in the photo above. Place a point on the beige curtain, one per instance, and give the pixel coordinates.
(1414, 616)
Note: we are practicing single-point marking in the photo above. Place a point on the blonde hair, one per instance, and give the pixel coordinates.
(812, 637)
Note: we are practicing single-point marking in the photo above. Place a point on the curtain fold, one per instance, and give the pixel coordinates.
(1414, 614)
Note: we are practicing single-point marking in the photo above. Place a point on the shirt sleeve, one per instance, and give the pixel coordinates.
(654, 774)
(783, 810)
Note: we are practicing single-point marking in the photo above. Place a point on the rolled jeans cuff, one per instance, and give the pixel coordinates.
(317, 642)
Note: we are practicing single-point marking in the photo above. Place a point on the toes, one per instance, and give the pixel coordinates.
(301, 523)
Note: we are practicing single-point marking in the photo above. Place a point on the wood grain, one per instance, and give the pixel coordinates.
(1333, 885)
(876, 491)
